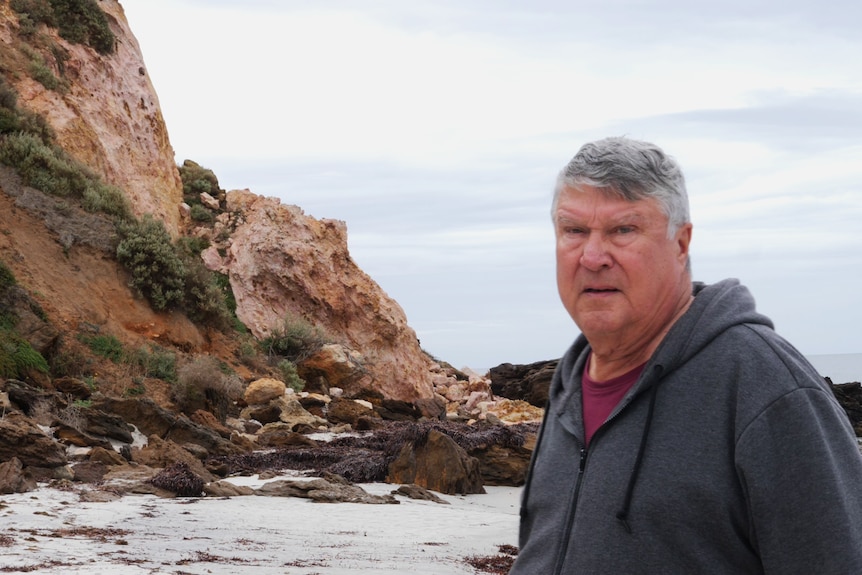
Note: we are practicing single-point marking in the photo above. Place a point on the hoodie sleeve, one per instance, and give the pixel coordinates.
(800, 465)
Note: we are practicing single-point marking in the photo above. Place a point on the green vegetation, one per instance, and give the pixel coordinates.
(106, 346)
(17, 356)
(7, 278)
(295, 339)
(148, 253)
(201, 214)
(78, 21)
(15, 120)
(156, 362)
(289, 375)
(197, 180)
(48, 169)
(171, 275)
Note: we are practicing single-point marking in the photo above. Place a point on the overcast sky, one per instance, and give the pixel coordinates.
(435, 129)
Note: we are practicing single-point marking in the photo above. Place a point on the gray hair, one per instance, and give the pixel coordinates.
(632, 170)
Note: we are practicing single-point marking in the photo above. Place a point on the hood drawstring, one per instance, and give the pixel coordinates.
(623, 513)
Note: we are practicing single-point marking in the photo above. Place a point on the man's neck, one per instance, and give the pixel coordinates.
(612, 358)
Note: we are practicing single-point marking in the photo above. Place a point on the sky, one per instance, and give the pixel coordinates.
(436, 128)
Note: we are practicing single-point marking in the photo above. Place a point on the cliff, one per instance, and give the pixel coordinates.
(104, 113)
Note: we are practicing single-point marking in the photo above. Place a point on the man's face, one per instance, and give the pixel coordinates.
(619, 276)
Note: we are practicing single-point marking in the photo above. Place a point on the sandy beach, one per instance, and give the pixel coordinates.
(51, 531)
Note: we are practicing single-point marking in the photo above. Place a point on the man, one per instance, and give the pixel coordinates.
(682, 435)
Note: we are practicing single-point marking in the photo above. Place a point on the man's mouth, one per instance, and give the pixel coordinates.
(600, 290)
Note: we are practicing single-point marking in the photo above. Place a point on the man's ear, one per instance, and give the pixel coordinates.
(683, 241)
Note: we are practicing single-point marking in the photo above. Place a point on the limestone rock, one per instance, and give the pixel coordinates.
(226, 489)
(261, 391)
(281, 262)
(72, 386)
(322, 490)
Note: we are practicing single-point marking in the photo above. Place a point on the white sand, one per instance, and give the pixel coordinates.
(253, 534)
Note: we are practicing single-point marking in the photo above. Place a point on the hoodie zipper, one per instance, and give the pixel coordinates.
(582, 465)
(570, 515)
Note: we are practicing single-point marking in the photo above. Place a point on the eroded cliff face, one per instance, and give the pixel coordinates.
(109, 118)
(279, 260)
(282, 262)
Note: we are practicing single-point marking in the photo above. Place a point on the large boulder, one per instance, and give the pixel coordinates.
(438, 464)
(261, 391)
(21, 437)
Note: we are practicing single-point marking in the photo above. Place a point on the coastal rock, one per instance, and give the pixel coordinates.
(160, 454)
(414, 491)
(106, 456)
(153, 420)
(283, 263)
(849, 395)
(439, 464)
(72, 386)
(13, 478)
(69, 435)
(21, 438)
(349, 411)
(261, 391)
(227, 489)
(528, 382)
(331, 489)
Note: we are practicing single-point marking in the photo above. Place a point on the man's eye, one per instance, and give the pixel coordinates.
(625, 229)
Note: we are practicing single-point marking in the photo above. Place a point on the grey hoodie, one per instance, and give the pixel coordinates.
(729, 455)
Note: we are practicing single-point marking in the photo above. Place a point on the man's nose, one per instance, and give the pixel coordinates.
(595, 255)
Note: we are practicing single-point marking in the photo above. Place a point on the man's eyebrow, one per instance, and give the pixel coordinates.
(628, 217)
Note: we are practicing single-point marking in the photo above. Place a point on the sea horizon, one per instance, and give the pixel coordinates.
(838, 367)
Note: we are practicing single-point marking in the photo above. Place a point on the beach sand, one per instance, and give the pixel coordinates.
(51, 531)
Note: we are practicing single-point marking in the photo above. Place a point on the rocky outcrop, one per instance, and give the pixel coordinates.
(154, 420)
(109, 118)
(21, 438)
(849, 395)
(283, 263)
(526, 382)
(438, 464)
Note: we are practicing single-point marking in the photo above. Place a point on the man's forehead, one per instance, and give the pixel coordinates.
(575, 202)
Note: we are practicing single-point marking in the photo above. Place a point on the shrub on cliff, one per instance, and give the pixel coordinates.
(147, 252)
(204, 384)
(197, 180)
(78, 21)
(48, 169)
(17, 356)
(294, 339)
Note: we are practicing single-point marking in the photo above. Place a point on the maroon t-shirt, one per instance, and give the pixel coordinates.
(601, 397)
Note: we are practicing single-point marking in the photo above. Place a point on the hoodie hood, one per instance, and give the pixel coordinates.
(715, 309)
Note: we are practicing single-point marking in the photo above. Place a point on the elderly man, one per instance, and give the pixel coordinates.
(682, 434)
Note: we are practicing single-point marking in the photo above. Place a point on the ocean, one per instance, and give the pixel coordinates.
(839, 367)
